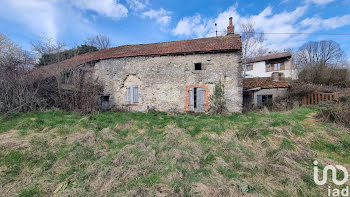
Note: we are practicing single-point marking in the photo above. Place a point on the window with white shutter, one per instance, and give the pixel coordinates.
(191, 99)
(200, 99)
(132, 95)
(135, 95)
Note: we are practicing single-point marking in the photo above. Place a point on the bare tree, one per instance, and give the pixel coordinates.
(23, 90)
(12, 57)
(15, 93)
(322, 62)
(99, 41)
(252, 42)
(47, 45)
(322, 53)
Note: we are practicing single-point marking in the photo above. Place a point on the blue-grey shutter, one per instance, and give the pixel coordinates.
(259, 100)
(135, 94)
(201, 99)
(128, 95)
(191, 99)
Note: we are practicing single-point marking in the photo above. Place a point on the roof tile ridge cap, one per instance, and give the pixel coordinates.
(212, 37)
(273, 54)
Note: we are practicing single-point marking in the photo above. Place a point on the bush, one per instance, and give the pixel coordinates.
(337, 111)
(17, 95)
(217, 100)
(77, 92)
(24, 91)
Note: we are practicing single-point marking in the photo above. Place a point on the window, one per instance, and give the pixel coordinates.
(105, 102)
(264, 100)
(249, 67)
(277, 66)
(198, 66)
(268, 67)
(132, 95)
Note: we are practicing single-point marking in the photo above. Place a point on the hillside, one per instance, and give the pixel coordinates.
(155, 154)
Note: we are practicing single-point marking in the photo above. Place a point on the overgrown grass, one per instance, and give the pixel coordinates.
(133, 154)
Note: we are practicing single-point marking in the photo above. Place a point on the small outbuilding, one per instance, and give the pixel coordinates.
(262, 91)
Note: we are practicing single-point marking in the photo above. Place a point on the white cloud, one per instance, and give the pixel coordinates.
(137, 4)
(316, 23)
(190, 25)
(56, 17)
(38, 15)
(285, 1)
(320, 2)
(109, 8)
(266, 21)
(161, 16)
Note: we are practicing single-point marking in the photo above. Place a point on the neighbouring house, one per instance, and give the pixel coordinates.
(169, 76)
(262, 91)
(271, 65)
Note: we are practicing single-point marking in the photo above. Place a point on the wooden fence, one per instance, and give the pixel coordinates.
(318, 98)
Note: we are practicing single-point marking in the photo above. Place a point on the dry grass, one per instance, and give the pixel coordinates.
(154, 154)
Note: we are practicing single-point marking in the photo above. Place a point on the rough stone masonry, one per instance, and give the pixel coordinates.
(170, 76)
(164, 82)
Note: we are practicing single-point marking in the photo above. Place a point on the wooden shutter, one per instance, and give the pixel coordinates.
(201, 99)
(128, 95)
(283, 66)
(135, 94)
(191, 99)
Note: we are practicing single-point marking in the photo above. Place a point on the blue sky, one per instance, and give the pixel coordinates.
(145, 21)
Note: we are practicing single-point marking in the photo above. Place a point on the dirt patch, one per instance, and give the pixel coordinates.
(11, 140)
(87, 139)
(107, 134)
(122, 126)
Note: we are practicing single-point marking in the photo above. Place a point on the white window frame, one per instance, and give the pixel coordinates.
(277, 66)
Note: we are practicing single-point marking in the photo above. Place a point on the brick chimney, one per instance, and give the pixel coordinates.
(230, 28)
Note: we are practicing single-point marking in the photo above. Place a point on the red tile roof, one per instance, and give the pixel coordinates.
(269, 57)
(264, 83)
(213, 44)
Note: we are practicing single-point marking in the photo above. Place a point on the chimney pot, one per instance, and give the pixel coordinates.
(230, 28)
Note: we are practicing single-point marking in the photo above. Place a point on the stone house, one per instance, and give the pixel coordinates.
(169, 76)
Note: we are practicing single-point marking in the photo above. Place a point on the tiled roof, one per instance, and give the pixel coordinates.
(202, 45)
(263, 82)
(269, 57)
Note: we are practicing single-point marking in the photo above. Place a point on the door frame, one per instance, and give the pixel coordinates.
(206, 98)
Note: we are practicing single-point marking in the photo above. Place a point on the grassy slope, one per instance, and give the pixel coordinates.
(155, 154)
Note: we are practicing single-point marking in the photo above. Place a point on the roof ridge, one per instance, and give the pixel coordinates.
(217, 37)
(269, 56)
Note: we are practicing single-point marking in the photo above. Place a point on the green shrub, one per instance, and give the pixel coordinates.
(217, 100)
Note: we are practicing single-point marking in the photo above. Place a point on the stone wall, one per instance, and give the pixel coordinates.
(275, 92)
(164, 80)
